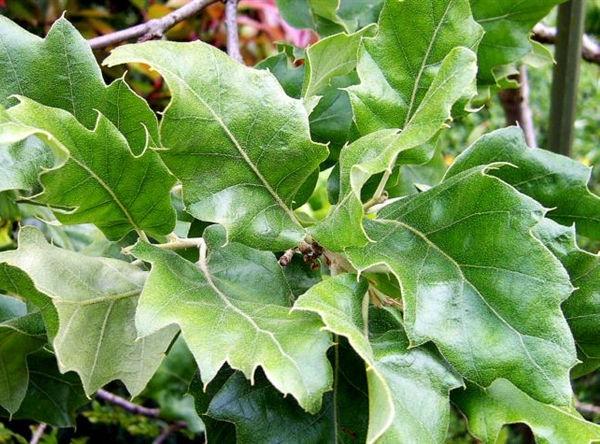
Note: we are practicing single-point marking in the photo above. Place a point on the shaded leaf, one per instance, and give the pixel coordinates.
(261, 414)
(52, 398)
(582, 309)
(507, 26)
(396, 375)
(502, 403)
(20, 336)
(170, 384)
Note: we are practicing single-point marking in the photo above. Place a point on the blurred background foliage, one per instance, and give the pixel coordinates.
(261, 28)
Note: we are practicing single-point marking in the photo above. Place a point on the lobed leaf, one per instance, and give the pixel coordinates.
(261, 413)
(396, 374)
(98, 179)
(400, 66)
(254, 153)
(582, 309)
(61, 71)
(507, 26)
(95, 301)
(227, 318)
(477, 283)
(502, 403)
(381, 150)
(555, 181)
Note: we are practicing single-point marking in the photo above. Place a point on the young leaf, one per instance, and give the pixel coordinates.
(100, 180)
(251, 130)
(396, 375)
(382, 150)
(502, 403)
(95, 300)
(20, 164)
(61, 71)
(320, 15)
(20, 336)
(477, 283)
(582, 309)
(243, 320)
(334, 56)
(507, 26)
(399, 66)
(555, 181)
(330, 16)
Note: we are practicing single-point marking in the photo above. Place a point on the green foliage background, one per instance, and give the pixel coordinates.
(92, 17)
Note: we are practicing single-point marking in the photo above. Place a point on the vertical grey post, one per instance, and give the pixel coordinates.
(571, 17)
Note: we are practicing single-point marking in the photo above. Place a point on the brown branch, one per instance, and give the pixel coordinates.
(127, 405)
(168, 431)
(515, 102)
(590, 50)
(137, 409)
(233, 38)
(152, 29)
(587, 409)
(38, 433)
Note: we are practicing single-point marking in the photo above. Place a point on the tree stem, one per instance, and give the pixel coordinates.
(233, 38)
(566, 76)
(515, 102)
(151, 29)
(127, 405)
(38, 433)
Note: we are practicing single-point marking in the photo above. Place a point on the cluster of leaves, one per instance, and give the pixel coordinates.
(472, 289)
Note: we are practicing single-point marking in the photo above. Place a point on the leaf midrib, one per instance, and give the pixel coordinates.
(237, 145)
(493, 310)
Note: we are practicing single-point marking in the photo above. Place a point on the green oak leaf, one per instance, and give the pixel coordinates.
(359, 13)
(251, 130)
(261, 414)
(290, 77)
(382, 150)
(52, 398)
(27, 62)
(98, 179)
(234, 307)
(582, 309)
(477, 283)
(418, 97)
(401, 65)
(555, 181)
(507, 26)
(21, 334)
(333, 56)
(396, 374)
(320, 15)
(487, 411)
(330, 16)
(170, 384)
(95, 301)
